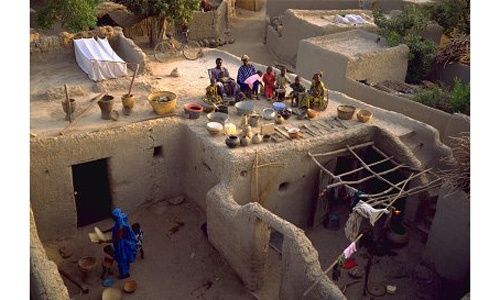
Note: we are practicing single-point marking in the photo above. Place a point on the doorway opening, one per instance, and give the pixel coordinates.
(92, 193)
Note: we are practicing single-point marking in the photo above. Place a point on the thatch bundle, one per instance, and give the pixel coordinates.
(459, 174)
(456, 50)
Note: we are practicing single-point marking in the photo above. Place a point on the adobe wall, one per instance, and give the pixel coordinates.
(448, 244)
(45, 281)
(211, 24)
(297, 26)
(252, 5)
(135, 175)
(278, 7)
(448, 73)
(447, 124)
(378, 65)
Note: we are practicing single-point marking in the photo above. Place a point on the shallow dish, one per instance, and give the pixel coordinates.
(218, 117)
(244, 107)
(268, 114)
(293, 132)
(130, 286)
(364, 115)
(311, 113)
(111, 294)
(214, 127)
(345, 112)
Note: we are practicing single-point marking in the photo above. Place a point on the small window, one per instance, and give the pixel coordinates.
(158, 152)
(283, 186)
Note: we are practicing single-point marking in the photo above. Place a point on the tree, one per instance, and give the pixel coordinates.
(74, 15)
(406, 28)
(452, 15)
(159, 11)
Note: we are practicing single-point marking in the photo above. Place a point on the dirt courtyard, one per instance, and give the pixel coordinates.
(177, 265)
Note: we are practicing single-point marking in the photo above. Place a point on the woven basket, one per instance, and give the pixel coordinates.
(162, 108)
(345, 112)
(364, 115)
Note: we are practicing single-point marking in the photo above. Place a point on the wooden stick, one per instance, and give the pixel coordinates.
(370, 170)
(81, 114)
(133, 78)
(384, 193)
(344, 149)
(361, 168)
(68, 108)
(393, 161)
(363, 179)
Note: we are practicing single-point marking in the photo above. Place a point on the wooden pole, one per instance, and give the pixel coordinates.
(81, 114)
(133, 78)
(68, 108)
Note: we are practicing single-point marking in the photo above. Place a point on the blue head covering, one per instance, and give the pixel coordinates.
(125, 248)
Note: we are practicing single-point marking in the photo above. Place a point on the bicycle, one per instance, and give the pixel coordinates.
(167, 49)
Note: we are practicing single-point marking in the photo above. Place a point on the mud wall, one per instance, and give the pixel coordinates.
(252, 5)
(278, 7)
(384, 64)
(211, 24)
(45, 281)
(297, 27)
(447, 124)
(130, 52)
(132, 170)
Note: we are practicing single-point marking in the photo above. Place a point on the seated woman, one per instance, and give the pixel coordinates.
(315, 96)
(246, 70)
(226, 86)
(211, 95)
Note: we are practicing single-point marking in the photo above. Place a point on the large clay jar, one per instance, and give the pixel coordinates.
(257, 138)
(279, 119)
(232, 141)
(245, 140)
(106, 106)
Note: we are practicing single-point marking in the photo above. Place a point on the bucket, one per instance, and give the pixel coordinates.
(106, 106)
(72, 106)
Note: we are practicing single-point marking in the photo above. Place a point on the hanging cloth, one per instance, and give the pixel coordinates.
(360, 211)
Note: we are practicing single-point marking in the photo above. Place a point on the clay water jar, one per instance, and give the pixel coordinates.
(232, 141)
(279, 119)
(106, 106)
(257, 138)
(72, 107)
(245, 140)
(254, 120)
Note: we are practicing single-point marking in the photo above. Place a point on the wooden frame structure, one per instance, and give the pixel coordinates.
(384, 199)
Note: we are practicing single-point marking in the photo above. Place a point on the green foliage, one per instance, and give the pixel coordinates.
(452, 15)
(455, 100)
(178, 11)
(75, 15)
(406, 28)
(434, 97)
(460, 97)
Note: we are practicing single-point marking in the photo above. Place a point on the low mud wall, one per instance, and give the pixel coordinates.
(45, 281)
(447, 124)
(252, 5)
(211, 24)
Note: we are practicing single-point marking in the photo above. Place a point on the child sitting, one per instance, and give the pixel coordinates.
(254, 82)
(297, 90)
(269, 78)
(281, 82)
(107, 261)
(211, 95)
(136, 228)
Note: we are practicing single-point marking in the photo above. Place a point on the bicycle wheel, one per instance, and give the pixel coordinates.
(192, 51)
(163, 51)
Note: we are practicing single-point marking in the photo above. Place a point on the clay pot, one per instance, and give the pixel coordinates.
(266, 138)
(257, 138)
(128, 101)
(247, 129)
(286, 113)
(72, 107)
(106, 106)
(193, 110)
(245, 140)
(232, 141)
(254, 120)
(279, 119)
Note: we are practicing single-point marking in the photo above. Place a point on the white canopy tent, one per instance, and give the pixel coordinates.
(98, 59)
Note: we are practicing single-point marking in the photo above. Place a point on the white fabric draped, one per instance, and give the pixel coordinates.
(98, 59)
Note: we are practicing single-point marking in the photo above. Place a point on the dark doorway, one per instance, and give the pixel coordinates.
(92, 195)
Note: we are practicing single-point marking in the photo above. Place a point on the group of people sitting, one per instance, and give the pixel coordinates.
(250, 82)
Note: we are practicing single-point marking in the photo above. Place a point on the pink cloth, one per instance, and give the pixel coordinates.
(350, 250)
(250, 80)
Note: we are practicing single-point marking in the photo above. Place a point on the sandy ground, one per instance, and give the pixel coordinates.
(180, 265)
(413, 280)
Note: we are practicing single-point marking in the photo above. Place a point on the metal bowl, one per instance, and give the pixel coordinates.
(244, 107)
(218, 117)
(279, 106)
(268, 114)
